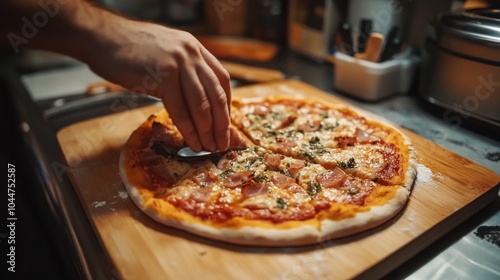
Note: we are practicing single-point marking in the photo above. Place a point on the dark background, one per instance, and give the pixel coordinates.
(36, 250)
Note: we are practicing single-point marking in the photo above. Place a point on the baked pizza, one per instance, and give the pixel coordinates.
(299, 171)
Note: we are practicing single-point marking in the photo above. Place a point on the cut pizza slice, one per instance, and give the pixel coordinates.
(151, 152)
(165, 138)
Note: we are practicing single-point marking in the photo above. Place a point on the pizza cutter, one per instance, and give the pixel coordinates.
(189, 153)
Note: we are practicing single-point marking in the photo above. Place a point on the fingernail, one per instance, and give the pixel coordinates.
(195, 146)
(212, 147)
(224, 145)
(228, 137)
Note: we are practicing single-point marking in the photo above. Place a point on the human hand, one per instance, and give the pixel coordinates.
(173, 66)
(143, 57)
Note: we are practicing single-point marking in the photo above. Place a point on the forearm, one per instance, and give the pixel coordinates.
(143, 57)
(74, 28)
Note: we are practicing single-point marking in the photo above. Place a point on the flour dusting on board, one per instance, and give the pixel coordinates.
(412, 226)
(122, 195)
(97, 204)
(424, 174)
(291, 91)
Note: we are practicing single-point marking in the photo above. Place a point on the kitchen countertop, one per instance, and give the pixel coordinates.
(471, 249)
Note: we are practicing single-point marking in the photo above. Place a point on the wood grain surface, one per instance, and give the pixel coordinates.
(251, 73)
(239, 48)
(448, 190)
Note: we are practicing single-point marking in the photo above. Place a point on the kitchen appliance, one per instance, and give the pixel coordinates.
(311, 27)
(461, 65)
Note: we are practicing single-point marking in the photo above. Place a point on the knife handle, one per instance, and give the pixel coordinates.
(373, 49)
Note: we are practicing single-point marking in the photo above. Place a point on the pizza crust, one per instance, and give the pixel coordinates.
(365, 220)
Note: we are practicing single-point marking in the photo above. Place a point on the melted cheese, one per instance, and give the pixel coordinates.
(368, 160)
(261, 202)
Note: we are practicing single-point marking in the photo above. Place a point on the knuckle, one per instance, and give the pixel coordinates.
(205, 130)
(187, 131)
(222, 130)
(184, 124)
(189, 44)
(179, 53)
(220, 98)
(205, 108)
(226, 78)
(191, 48)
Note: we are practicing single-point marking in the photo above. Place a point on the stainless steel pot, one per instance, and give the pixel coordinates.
(461, 63)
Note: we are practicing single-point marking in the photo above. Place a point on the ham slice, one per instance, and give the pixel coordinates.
(261, 110)
(225, 161)
(286, 122)
(149, 158)
(285, 144)
(311, 124)
(364, 137)
(201, 194)
(331, 179)
(167, 137)
(282, 181)
(162, 174)
(254, 189)
(346, 141)
(238, 179)
(205, 178)
(272, 161)
(295, 166)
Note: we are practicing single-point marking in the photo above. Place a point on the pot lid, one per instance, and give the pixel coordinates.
(474, 33)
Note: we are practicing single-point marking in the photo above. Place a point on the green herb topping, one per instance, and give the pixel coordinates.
(351, 163)
(313, 188)
(225, 173)
(281, 203)
(261, 178)
(314, 139)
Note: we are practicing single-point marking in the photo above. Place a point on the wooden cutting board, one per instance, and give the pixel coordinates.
(448, 190)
